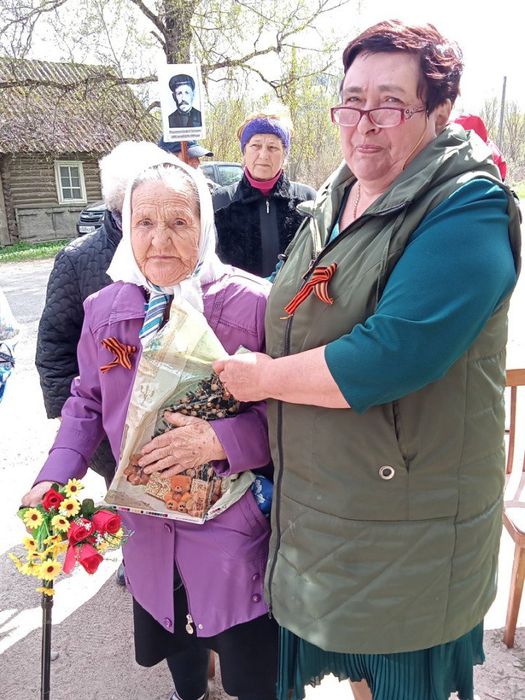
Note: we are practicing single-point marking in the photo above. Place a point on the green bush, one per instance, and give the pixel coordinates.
(30, 251)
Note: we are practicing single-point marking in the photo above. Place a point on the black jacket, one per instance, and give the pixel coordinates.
(252, 229)
(182, 120)
(79, 270)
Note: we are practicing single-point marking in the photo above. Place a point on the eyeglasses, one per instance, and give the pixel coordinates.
(384, 117)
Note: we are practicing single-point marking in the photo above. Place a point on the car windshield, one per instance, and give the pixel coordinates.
(222, 173)
(229, 174)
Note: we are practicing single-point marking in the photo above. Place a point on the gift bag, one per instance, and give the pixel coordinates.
(175, 373)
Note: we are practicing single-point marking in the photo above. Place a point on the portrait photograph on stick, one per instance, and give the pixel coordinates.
(180, 89)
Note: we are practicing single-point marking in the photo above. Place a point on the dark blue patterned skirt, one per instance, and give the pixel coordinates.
(429, 674)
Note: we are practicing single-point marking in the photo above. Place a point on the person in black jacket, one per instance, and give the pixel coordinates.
(80, 270)
(256, 218)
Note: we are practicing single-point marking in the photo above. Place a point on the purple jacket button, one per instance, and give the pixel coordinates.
(256, 598)
(168, 623)
(200, 627)
(167, 527)
(256, 577)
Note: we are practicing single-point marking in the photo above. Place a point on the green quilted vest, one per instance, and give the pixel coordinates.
(386, 525)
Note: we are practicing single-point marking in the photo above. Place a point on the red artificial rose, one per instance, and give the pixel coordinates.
(52, 499)
(89, 558)
(70, 560)
(106, 521)
(79, 530)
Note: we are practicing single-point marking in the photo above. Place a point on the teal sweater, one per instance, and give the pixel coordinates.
(455, 271)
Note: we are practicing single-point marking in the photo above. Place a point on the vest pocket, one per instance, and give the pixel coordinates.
(397, 424)
(355, 470)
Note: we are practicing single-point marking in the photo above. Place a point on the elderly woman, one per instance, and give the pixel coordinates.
(195, 587)
(256, 217)
(385, 333)
(80, 269)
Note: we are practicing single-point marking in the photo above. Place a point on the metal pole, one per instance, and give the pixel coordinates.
(45, 668)
(502, 113)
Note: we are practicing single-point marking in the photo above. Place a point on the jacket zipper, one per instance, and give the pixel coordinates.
(189, 623)
(267, 205)
(278, 484)
(344, 234)
(189, 618)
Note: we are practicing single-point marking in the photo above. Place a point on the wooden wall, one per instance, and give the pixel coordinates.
(31, 199)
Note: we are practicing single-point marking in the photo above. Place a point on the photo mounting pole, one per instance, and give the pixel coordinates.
(184, 151)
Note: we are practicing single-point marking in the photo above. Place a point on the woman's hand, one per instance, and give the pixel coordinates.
(33, 497)
(193, 442)
(244, 375)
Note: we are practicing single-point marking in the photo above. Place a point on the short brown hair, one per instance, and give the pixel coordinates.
(440, 60)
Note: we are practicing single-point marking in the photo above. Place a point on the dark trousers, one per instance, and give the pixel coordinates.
(247, 653)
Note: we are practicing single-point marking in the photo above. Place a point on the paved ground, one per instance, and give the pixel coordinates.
(92, 620)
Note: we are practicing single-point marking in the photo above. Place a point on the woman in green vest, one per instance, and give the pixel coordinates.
(385, 333)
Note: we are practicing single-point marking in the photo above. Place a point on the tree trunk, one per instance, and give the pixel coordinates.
(178, 15)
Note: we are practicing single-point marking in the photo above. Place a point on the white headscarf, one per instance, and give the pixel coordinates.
(208, 268)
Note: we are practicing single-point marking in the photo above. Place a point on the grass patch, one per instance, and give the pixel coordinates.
(30, 251)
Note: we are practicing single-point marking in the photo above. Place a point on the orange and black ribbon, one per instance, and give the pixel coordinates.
(122, 354)
(318, 284)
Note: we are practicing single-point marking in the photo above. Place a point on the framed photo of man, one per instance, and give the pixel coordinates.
(181, 102)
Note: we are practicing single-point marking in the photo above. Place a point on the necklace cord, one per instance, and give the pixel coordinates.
(357, 198)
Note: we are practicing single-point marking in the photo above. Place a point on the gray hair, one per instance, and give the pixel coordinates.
(173, 177)
(118, 168)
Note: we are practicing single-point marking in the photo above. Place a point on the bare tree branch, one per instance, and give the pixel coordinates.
(213, 33)
(110, 78)
(153, 18)
(33, 14)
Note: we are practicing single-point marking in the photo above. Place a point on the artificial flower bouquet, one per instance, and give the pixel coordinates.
(175, 374)
(62, 523)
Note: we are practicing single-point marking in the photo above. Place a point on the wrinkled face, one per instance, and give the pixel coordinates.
(183, 97)
(374, 154)
(264, 156)
(165, 232)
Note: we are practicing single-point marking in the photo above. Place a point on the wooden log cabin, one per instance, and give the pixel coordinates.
(56, 121)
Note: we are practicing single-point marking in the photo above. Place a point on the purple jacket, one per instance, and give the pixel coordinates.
(221, 562)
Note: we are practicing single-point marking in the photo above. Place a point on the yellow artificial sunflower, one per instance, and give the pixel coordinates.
(60, 547)
(116, 539)
(52, 539)
(69, 507)
(72, 487)
(18, 562)
(33, 518)
(29, 543)
(47, 591)
(55, 549)
(30, 569)
(102, 546)
(50, 569)
(60, 523)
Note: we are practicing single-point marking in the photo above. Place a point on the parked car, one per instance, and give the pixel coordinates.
(222, 173)
(92, 217)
